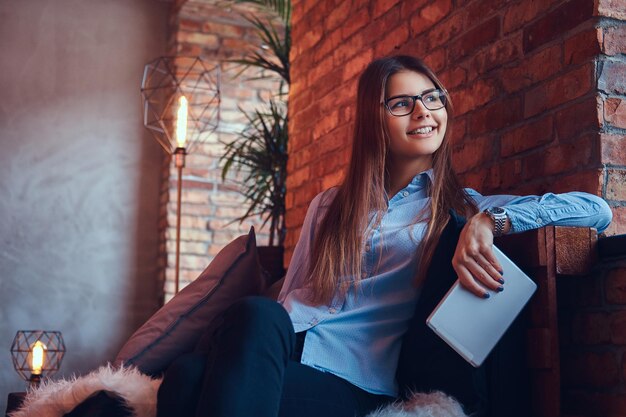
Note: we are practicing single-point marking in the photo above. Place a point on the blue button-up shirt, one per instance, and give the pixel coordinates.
(358, 335)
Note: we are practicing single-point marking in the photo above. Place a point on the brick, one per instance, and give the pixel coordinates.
(407, 8)
(436, 60)
(618, 224)
(584, 46)
(223, 30)
(591, 328)
(562, 19)
(347, 49)
(618, 327)
(446, 30)
(479, 10)
(392, 40)
(527, 136)
(326, 46)
(456, 130)
(496, 115)
(191, 248)
(533, 69)
(576, 118)
(189, 49)
(306, 42)
(502, 52)
(474, 96)
(475, 38)
(517, 15)
(338, 15)
(615, 112)
(615, 286)
(510, 174)
(589, 181)
(472, 154)
(613, 149)
(612, 8)
(616, 184)
(333, 179)
(209, 41)
(612, 77)
(560, 159)
(299, 177)
(358, 20)
(321, 69)
(383, 6)
(430, 16)
(329, 83)
(326, 124)
(560, 90)
(589, 369)
(453, 77)
(614, 40)
(486, 179)
(587, 403)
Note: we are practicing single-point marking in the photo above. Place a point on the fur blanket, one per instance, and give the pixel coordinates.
(54, 399)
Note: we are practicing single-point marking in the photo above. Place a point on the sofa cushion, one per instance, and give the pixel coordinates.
(177, 326)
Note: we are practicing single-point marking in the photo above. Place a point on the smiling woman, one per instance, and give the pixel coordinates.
(331, 344)
(415, 125)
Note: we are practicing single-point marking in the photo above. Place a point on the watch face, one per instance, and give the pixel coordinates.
(497, 210)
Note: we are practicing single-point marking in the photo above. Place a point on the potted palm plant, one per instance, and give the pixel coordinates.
(259, 153)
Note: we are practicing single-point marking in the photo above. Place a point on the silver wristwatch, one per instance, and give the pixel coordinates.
(499, 216)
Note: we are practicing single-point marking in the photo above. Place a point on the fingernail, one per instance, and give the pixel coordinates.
(501, 272)
(486, 295)
(500, 288)
(501, 281)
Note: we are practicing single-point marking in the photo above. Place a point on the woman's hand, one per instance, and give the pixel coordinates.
(474, 261)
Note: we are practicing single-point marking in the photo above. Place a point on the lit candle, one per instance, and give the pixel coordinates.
(38, 357)
(181, 122)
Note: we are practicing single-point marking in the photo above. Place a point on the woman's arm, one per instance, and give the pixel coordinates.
(474, 260)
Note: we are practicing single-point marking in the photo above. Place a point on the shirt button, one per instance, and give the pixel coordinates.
(313, 322)
(405, 193)
(539, 220)
(367, 248)
(332, 310)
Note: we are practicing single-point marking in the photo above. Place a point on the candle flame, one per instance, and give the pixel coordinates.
(181, 122)
(38, 355)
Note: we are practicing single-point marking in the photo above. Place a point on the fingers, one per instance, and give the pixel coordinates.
(479, 270)
(467, 280)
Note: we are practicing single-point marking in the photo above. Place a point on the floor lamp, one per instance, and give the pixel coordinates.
(181, 108)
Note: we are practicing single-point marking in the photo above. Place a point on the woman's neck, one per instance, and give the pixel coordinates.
(400, 175)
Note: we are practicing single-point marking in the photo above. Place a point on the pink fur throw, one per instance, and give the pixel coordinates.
(56, 398)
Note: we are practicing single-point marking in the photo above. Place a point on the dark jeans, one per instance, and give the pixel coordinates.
(248, 366)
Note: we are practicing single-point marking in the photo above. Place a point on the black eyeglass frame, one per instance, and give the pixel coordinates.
(442, 97)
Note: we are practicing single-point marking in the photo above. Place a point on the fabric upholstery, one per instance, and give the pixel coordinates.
(177, 326)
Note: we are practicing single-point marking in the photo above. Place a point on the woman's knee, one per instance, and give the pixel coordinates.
(258, 311)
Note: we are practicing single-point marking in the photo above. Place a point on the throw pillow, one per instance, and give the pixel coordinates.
(177, 326)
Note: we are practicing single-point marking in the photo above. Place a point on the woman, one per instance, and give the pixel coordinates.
(330, 346)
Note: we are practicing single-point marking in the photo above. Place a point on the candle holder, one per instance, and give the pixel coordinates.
(181, 108)
(37, 354)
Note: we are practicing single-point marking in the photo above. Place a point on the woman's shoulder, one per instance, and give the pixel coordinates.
(472, 192)
(324, 198)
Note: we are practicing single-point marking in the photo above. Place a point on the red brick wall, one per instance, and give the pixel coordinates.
(538, 88)
(592, 320)
(209, 206)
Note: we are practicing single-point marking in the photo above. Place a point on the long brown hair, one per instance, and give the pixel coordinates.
(338, 242)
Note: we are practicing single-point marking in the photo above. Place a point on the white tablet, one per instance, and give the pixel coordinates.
(472, 325)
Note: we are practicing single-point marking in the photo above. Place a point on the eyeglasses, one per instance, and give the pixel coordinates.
(404, 105)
